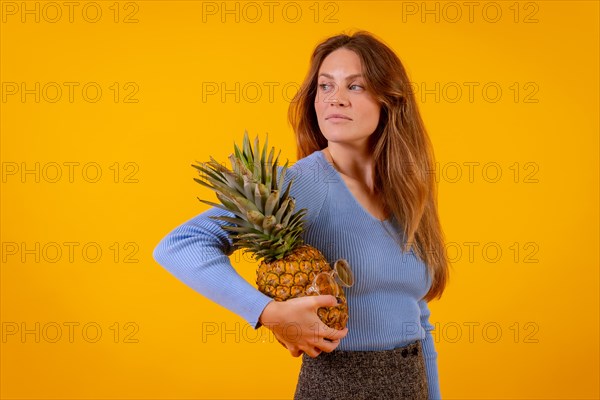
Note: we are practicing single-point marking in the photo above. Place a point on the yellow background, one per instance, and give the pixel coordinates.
(534, 324)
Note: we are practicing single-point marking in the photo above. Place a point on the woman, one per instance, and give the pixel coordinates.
(365, 176)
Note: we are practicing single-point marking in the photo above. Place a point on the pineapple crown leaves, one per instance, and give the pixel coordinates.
(265, 222)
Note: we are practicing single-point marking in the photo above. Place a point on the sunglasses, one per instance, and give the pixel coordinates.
(329, 282)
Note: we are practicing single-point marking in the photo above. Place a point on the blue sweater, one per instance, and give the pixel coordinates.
(385, 303)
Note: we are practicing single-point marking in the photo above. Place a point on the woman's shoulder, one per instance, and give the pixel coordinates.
(307, 169)
(310, 160)
(309, 188)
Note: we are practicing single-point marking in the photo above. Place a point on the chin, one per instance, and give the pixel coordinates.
(343, 135)
(336, 133)
(335, 137)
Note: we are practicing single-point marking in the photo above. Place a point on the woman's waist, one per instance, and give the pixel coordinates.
(349, 343)
(375, 333)
(407, 351)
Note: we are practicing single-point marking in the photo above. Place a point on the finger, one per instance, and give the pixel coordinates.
(313, 352)
(324, 300)
(296, 352)
(331, 334)
(328, 347)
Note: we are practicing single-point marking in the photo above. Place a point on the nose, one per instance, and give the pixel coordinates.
(338, 98)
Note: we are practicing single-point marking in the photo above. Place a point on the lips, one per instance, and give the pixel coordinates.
(340, 116)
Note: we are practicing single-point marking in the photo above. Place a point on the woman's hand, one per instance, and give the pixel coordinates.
(297, 326)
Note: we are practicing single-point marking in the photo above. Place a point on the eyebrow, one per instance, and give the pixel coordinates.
(347, 78)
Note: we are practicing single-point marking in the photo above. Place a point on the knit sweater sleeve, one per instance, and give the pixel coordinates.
(196, 252)
(430, 353)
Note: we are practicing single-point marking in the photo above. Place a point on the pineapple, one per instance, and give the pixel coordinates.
(266, 225)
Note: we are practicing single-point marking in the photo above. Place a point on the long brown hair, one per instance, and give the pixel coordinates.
(402, 151)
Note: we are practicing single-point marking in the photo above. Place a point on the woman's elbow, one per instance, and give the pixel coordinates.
(161, 252)
(192, 243)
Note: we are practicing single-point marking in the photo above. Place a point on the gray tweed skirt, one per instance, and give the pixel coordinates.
(390, 374)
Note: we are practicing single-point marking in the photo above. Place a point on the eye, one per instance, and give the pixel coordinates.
(324, 86)
(356, 87)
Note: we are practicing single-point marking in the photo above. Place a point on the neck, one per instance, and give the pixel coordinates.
(352, 163)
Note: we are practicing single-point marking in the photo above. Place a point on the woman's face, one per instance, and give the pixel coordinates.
(347, 113)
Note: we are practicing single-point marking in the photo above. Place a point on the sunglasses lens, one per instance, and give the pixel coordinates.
(326, 284)
(344, 273)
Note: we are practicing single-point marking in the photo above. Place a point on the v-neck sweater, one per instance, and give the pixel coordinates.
(386, 306)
